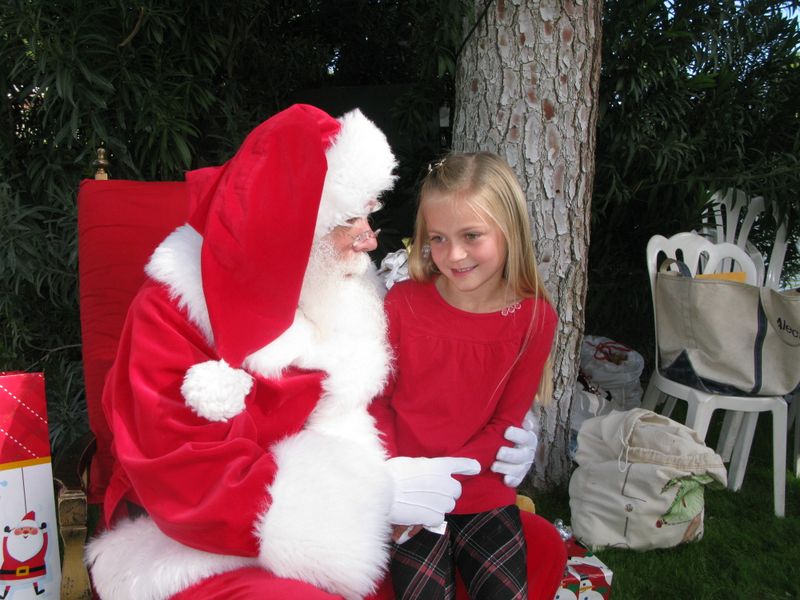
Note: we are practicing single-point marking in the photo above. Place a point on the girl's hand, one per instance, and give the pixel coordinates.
(515, 462)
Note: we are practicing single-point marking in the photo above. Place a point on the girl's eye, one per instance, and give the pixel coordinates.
(473, 235)
(435, 239)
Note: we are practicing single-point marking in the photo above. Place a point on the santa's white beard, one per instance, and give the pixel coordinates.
(23, 547)
(339, 297)
(346, 313)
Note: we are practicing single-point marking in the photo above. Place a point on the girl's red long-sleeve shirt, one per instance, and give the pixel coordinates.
(459, 380)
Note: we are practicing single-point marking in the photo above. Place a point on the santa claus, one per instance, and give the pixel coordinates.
(24, 549)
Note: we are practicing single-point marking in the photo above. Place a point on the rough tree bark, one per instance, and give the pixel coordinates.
(527, 88)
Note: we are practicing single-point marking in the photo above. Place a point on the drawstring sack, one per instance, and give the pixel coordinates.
(640, 481)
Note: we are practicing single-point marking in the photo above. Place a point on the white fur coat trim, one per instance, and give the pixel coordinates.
(317, 530)
(136, 561)
(176, 264)
(360, 165)
(320, 529)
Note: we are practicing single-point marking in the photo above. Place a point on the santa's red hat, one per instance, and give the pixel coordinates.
(30, 516)
(294, 178)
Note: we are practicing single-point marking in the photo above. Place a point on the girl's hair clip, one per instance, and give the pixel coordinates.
(426, 251)
(435, 165)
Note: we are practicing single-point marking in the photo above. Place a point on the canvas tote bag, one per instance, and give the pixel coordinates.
(640, 481)
(728, 337)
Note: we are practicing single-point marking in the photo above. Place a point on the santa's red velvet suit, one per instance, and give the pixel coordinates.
(238, 398)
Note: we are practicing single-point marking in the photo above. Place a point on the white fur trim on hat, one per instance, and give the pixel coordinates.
(360, 165)
(339, 543)
(215, 390)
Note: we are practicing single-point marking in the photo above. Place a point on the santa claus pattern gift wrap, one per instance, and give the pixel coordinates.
(30, 565)
(586, 577)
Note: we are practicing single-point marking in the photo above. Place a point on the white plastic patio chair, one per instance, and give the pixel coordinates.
(734, 214)
(702, 255)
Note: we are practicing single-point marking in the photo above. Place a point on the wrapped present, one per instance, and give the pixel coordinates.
(586, 577)
(29, 563)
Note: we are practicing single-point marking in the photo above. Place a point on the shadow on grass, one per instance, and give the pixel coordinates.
(747, 552)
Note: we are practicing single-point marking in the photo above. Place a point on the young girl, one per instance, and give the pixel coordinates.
(471, 335)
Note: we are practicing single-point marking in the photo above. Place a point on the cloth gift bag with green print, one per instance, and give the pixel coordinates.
(640, 481)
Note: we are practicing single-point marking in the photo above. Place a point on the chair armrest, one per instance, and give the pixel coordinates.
(71, 471)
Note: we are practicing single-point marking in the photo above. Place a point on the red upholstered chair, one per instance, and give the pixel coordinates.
(120, 223)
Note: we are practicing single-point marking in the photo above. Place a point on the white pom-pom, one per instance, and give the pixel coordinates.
(215, 390)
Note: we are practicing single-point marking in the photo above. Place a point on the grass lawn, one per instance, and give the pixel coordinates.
(746, 553)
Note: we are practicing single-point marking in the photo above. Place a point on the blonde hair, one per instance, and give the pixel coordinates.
(486, 183)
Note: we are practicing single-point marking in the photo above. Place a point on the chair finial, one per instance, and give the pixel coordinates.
(101, 164)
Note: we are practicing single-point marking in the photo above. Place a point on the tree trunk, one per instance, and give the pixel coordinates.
(527, 89)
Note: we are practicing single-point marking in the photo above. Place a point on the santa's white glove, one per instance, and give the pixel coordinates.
(515, 462)
(424, 489)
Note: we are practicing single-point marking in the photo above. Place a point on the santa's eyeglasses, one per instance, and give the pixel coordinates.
(363, 237)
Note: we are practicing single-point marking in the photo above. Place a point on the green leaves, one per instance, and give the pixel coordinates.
(694, 96)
